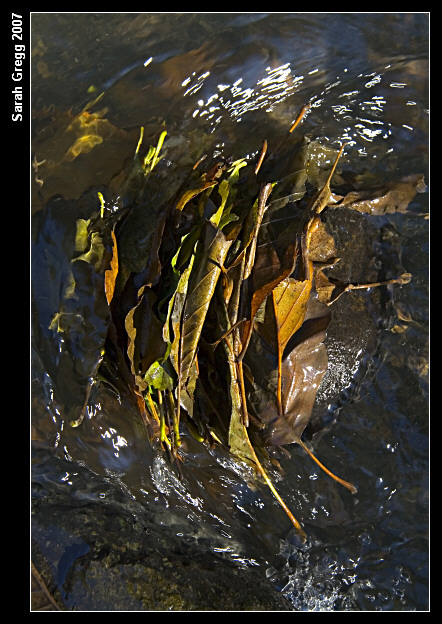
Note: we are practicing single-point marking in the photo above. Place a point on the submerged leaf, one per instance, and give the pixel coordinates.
(395, 197)
(151, 158)
(237, 438)
(83, 145)
(81, 235)
(94, 255)
(239, 441)
(171, 247)
(174, 314)
(76, 152)
(321, 199)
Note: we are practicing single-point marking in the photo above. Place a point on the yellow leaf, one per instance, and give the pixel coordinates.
(110, 276)
(290, 300)
(188, 195)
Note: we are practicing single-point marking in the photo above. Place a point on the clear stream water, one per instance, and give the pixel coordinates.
(241, 78)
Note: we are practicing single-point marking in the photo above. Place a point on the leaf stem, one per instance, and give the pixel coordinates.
(245, 415)
(272, 488)
(346, 484)
(301, 114)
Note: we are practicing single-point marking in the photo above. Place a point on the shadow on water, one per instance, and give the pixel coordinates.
(114, 528)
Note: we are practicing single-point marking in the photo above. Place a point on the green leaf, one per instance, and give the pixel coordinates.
(151, 158)
(174, 314)
(158, 378)
(223, 190)
(200, 291)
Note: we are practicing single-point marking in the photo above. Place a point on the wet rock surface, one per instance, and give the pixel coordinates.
(95, 556)
(353, 335)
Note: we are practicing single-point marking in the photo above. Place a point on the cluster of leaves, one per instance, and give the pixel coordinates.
(214, 316)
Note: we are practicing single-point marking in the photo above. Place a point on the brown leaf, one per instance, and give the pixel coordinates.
(144, 330)
(302, 371)
(267, 273)
(322, 198)
(289, 300)
(394, 197)
(258, 215)
(110, 275)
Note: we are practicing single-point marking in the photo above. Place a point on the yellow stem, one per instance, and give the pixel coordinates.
(346, 484)
(175, 419)
(279, 382)
(245, 414)
(152, 408)
(275, 493)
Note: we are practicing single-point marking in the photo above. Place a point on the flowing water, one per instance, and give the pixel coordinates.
(236, 79)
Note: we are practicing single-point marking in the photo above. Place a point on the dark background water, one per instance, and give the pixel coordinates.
(235, 79)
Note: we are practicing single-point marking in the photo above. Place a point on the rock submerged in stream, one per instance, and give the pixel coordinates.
(96, 556)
